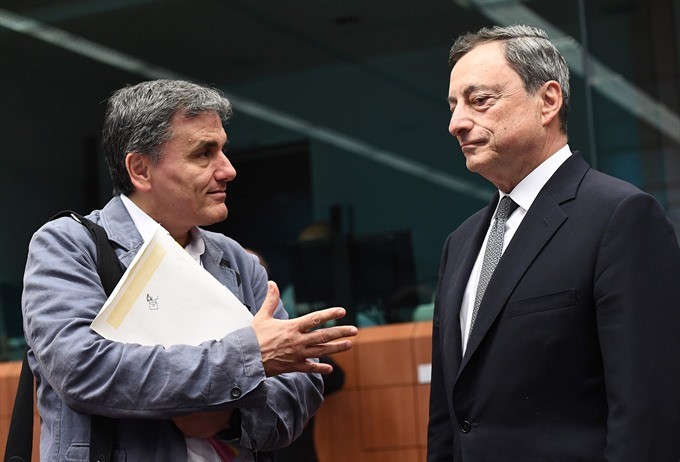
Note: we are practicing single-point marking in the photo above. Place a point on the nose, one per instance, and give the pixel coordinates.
(460, 123)
(224, 170)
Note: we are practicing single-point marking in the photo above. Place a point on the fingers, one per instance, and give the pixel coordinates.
(317, 318)
(287, 345)
(319, 368)
(326, 349)
(270, 303)
(334, 347)
(328, 334)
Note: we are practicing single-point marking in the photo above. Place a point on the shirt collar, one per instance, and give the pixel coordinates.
(196, 246)
(526, 191)
(144, 223)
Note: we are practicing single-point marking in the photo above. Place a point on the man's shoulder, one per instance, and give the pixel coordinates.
(602, 198)
(65, 225)
(601, 188)
(61, 241)
(609, 183)
(576, 180)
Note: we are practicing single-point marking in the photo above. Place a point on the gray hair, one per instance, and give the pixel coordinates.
(529, 52)
(138, 120)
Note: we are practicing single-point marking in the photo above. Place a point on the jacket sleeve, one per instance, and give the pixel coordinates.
(637, 296)
(439, 430)
(277, 411)
(92, 375)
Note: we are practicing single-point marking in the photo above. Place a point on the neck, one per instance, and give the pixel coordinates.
(550, 145)
(179, 233)
(182, 239)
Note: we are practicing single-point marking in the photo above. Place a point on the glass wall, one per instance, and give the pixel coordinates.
(624, 60)
(341, 123)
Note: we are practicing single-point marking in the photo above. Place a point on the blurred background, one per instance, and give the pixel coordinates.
(340, 121)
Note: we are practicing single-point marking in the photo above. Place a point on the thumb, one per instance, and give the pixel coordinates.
(271, 301)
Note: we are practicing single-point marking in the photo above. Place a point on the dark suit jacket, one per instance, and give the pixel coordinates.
(575, 353)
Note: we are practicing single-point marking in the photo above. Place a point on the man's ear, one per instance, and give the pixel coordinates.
(137, 166)
(551, 94)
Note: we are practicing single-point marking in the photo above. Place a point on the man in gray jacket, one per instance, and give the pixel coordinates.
(250, 392)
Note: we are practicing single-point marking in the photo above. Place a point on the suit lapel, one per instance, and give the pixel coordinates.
(541, 222)
(463, 263)
(460, 258)
(121, 229)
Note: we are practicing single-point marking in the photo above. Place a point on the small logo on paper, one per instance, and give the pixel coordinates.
(153, 302)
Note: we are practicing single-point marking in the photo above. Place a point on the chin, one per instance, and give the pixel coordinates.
(479, 161)
(214, 216)
(472, 164)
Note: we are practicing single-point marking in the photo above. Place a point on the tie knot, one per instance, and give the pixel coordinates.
(505, 208)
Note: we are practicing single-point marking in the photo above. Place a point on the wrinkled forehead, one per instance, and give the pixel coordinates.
(483, 66)
(483, 56)
(201, 127)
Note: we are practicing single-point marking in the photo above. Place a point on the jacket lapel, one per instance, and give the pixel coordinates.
(121, 230)
(221, 267)
(541, 222)
(460, 259)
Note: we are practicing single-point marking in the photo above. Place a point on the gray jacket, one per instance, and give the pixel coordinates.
(79, 373)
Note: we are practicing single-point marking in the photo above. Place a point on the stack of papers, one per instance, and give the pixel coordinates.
(167, 298)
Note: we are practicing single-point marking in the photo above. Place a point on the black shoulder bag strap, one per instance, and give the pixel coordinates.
(102, 429)
(20, 437)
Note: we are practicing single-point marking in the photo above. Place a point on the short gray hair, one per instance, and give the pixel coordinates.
(138, 120)
(529, 52)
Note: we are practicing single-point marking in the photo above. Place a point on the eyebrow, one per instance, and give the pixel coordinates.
(473, 88)
(209, 143)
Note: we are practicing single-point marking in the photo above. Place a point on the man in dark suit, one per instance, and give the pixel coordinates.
(572, 351)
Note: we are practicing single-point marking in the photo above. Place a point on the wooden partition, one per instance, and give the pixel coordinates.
(381, 413)
(9, 379)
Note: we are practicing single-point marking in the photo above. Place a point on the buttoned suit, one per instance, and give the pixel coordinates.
(575, 352)
(79, 373)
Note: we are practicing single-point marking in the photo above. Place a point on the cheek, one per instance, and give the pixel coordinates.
(516, 123)
(498, 129)
(185, 183)
(180, 194)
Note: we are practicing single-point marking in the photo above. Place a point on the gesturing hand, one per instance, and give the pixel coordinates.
(287, 345)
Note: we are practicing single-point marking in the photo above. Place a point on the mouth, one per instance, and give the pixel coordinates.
(468, 142)
(470, 145)
(218, 194)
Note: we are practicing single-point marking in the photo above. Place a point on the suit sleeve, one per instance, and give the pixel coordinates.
(93, 375)
(277, 411)
(439, 430)
(637, 295)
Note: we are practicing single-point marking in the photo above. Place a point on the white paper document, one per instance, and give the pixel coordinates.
(167, 298)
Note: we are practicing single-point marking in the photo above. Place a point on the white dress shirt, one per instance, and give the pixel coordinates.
(524, 195)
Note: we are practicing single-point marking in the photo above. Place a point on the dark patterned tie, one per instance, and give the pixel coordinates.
(494, 249)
